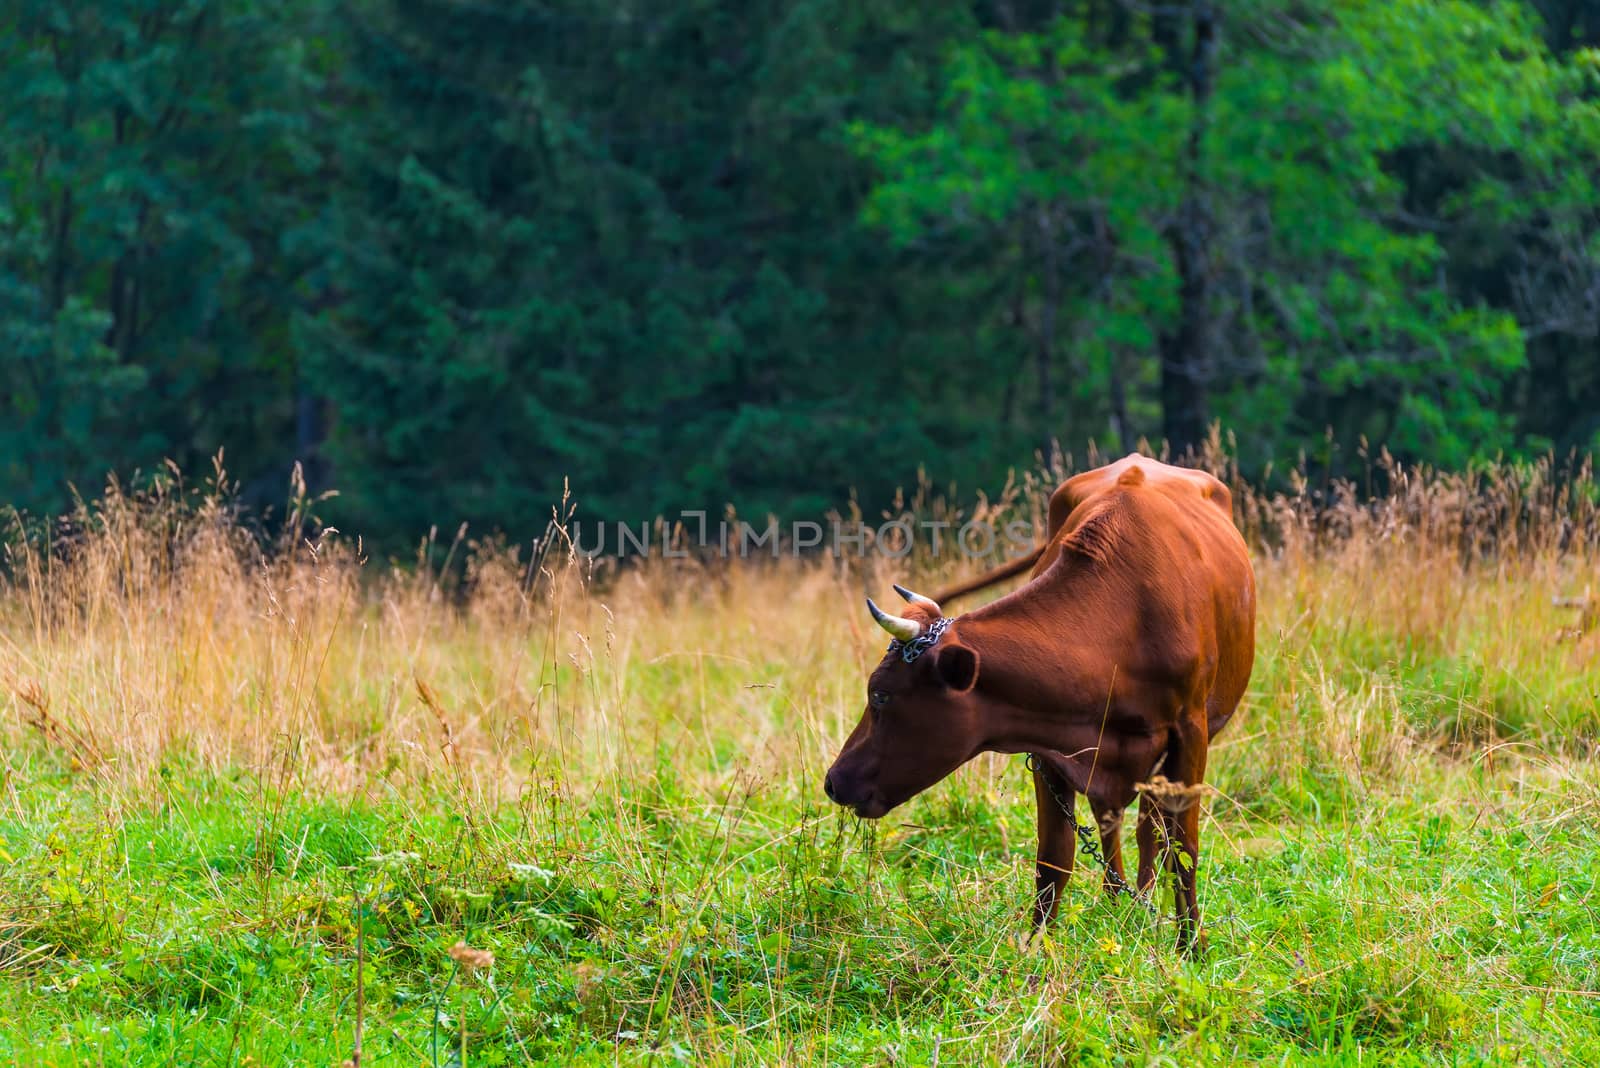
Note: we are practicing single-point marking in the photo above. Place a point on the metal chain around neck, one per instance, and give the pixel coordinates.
(909, 651)
(1089, 843)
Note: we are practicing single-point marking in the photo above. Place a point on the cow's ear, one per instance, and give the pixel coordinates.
(958, 666)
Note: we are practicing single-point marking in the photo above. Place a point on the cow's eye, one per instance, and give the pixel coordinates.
(879, 698)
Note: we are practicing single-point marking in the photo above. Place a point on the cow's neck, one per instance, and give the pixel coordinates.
(1043, 687)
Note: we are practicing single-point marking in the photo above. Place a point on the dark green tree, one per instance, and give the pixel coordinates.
(153, 159)
(618, 249)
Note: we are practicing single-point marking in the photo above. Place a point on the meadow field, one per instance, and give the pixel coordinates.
(265, 802)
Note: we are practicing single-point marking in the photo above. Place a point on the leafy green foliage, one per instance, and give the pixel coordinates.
(450, 257)
(1334, 301)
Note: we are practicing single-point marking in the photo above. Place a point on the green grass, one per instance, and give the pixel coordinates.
(213, 776)
(1448, 920)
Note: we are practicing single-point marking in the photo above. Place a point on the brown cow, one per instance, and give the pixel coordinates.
(1125, 653)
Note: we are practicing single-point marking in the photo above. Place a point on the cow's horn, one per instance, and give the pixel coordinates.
(917, 598)
(899, 626)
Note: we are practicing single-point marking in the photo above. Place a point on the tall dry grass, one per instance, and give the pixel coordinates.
(159, 626)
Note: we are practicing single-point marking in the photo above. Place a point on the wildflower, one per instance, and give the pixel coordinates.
(471, 960)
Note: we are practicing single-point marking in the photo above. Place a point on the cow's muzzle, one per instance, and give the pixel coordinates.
(866, 803)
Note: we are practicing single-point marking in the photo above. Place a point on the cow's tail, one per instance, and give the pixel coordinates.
(1009, 569)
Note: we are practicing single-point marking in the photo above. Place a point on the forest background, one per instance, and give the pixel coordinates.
(450, 255)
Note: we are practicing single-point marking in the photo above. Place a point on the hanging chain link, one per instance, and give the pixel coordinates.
(1090, 842)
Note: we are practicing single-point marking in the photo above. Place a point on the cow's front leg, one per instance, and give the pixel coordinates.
(1109, 819)
(1145, 834)
(1054, 862)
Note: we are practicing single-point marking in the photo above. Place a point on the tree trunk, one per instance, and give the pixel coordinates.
(1045, 343)
(1186, 352)
(313, 413)
(1116, 386)
(310, 431)
(1018, 322)
(1119, 406)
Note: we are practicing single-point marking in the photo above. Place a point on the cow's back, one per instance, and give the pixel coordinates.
(1179, 483)
(1164, 536)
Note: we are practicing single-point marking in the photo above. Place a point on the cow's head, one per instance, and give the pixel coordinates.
(921, 720)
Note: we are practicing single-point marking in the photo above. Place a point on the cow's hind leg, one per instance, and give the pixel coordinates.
(1186, 766)
(1054, 862)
